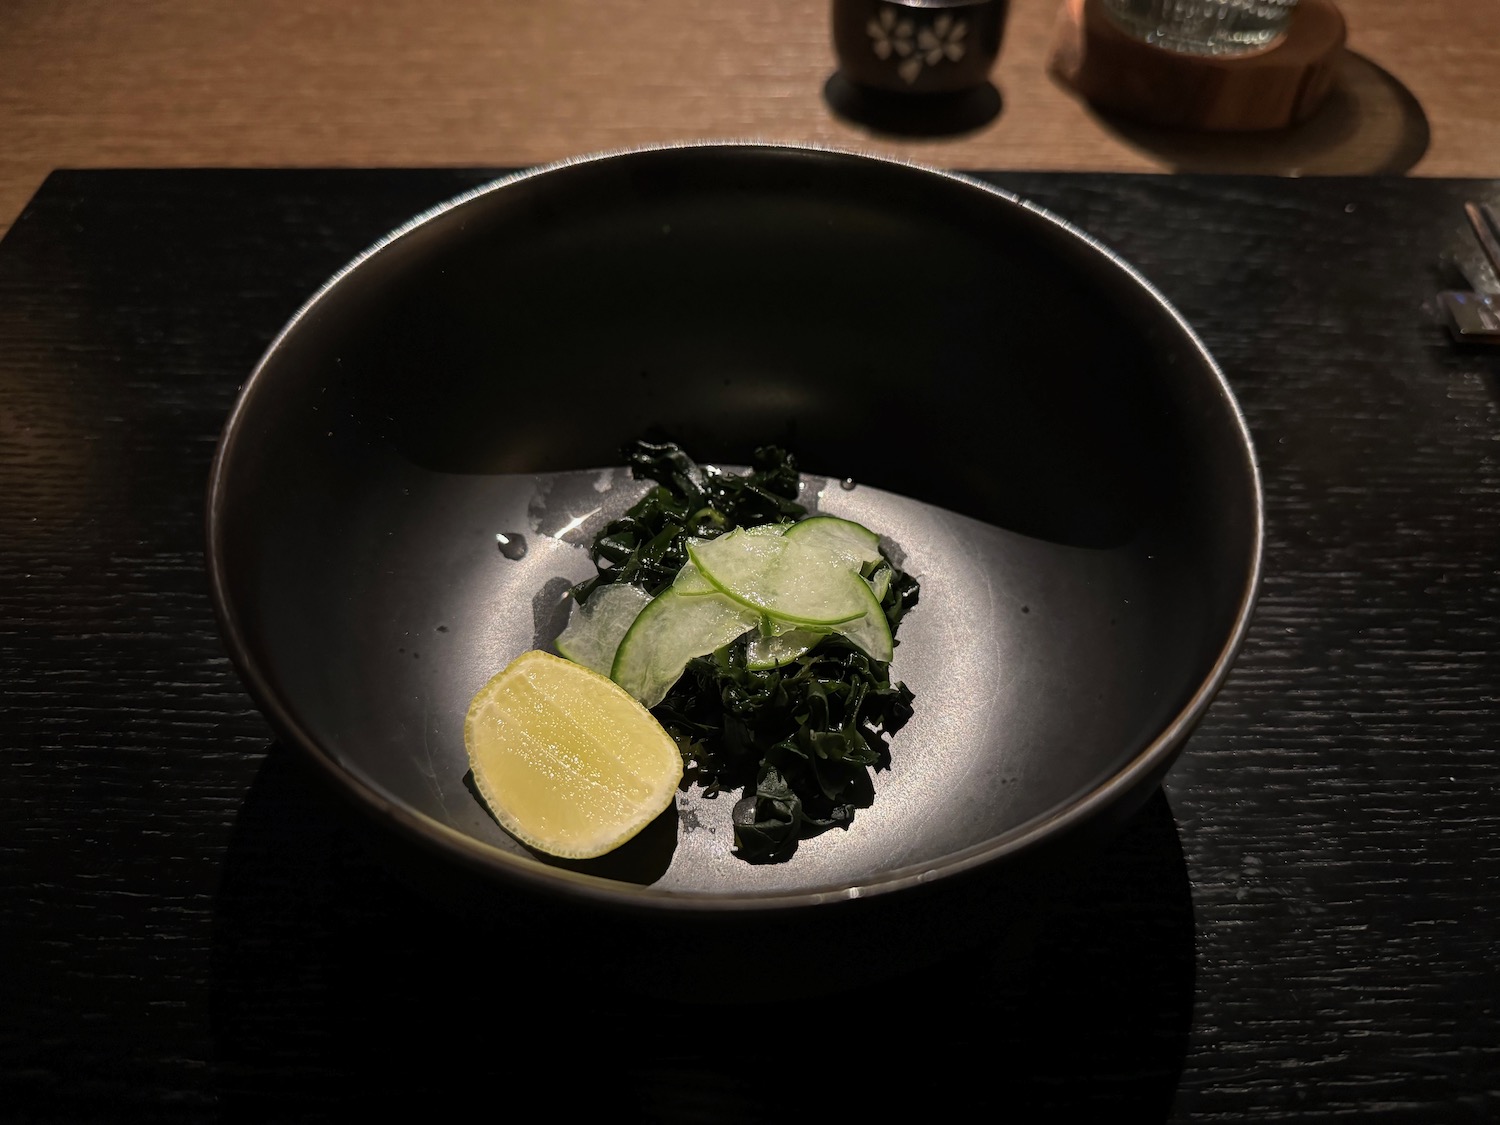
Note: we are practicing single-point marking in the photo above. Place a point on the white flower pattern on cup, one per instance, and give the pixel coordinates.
(916, 47)
(890, 36)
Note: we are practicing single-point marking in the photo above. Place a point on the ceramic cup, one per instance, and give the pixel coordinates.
(918, 46)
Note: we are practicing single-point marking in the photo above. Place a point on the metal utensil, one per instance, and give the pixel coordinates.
(1474, 317)
(1487, 231)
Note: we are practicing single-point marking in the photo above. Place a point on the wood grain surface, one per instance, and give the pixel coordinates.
(1301, 927)
(312, 83)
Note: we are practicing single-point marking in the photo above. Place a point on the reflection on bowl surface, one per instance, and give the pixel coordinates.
(1040, 436)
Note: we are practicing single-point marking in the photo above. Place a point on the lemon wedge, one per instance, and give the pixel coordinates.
(566, 760)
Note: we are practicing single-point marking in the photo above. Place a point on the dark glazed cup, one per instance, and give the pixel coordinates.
(918, 46)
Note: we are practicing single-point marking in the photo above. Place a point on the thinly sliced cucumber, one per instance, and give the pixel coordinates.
(669, 632)
(802, 582)
(596, 627)
(690, 581)
(763, 652)
(853, 541)
(872, 630)
(860, 547)
(775, 627)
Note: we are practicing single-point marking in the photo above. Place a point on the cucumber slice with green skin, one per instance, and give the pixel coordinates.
(854, 541)
(762, 652)
(596, 627)
(775, 627)
(860, 547)
(690, 581)
(871, 632)
(805, 583)
(793, 587)
(669, 632)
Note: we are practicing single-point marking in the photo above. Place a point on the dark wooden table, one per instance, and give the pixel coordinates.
(1301, 927)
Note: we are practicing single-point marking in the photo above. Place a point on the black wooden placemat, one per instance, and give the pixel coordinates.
(1303, 927)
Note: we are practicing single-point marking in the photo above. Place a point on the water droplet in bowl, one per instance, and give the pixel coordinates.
(512, 544)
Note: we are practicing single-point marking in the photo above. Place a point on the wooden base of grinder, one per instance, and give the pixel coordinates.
(1270, 88)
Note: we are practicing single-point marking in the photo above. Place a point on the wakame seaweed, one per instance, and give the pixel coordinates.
(798, 742)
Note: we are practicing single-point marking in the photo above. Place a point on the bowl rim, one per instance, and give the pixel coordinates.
(1151, 760)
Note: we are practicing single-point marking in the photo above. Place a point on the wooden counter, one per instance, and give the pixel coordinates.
(171, 83)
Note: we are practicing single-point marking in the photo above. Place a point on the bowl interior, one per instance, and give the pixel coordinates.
(408, 484)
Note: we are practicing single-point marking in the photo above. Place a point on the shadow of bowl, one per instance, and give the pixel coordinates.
(337, 986)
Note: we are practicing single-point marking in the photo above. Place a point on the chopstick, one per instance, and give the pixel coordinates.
(1487, 231)
(1474, 317)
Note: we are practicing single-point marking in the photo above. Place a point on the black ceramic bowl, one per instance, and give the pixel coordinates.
(404, 489)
